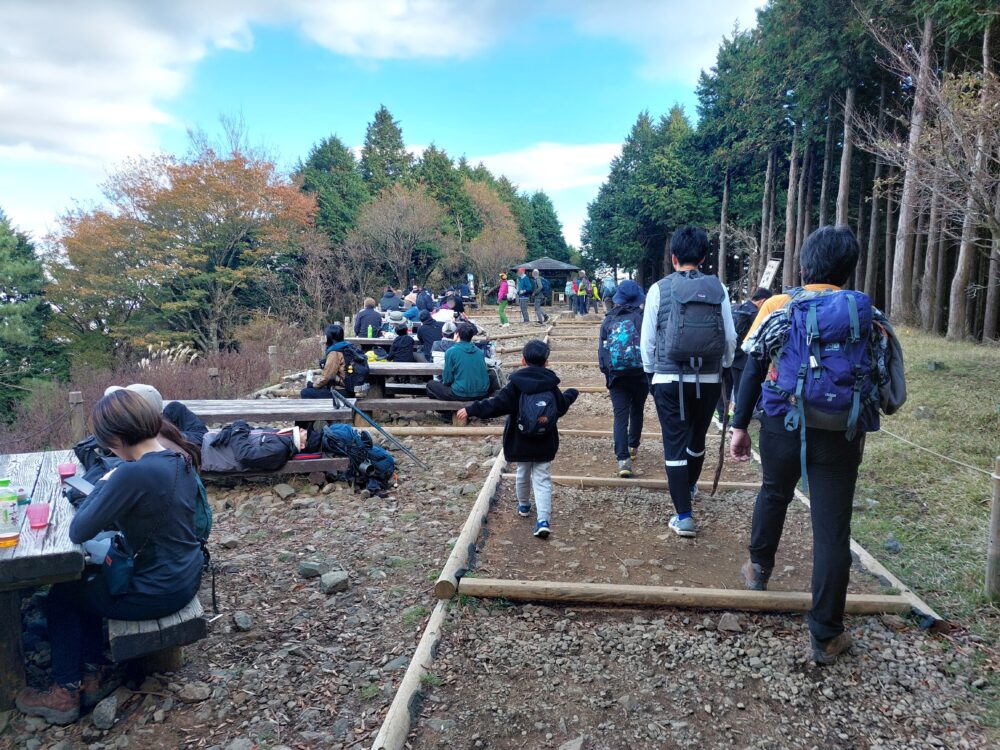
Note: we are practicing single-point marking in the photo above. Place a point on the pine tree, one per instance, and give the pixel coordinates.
(331, 172)
(384, 158)
(548, 240)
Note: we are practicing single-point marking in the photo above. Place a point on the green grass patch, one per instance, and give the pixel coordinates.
(370, 691)
(413, 615)
(431, 679)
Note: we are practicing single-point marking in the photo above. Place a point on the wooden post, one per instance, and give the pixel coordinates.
(993, 552)
(671, 596)
(272, 358)
(11, 653)
(213, 377)
(77, 421)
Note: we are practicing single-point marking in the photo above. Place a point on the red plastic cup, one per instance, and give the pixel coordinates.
(38, 515)
(66, 471)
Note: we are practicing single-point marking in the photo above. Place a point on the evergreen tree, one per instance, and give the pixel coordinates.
(547, 231)
(384, 158)
(331, 172)
(443, 182)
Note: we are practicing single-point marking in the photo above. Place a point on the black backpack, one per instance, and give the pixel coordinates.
(356, 363)
(537, 413)
(695, 332)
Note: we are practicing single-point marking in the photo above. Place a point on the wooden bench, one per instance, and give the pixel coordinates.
(159, 641)
(316, 468)
(371, 405)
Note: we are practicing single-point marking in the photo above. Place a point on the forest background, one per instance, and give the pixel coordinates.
(881, 115)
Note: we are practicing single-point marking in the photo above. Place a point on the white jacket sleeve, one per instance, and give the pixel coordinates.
(647, 338)
(730, 329)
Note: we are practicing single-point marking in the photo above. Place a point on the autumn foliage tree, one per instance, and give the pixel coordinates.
(499, 245)
(180, 248)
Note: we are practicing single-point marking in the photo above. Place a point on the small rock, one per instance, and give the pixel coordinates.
(893, 545)
(630, 702)
(895, 622)
(399, 662)
(576, 744)
(283, 492)
(313, 568)
(159, 715)
(334, 581)
(229, 542)
(440, 725)
(104, 712)
(241, 743)
(828, 693)
(194, 692)
(979, 683)
(242, 621)
(922, 412)
(470, 489)
(729, 623)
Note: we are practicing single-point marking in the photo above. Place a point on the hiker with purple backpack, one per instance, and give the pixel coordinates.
(823, 362)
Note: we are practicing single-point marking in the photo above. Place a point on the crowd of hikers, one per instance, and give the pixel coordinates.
(816, 365)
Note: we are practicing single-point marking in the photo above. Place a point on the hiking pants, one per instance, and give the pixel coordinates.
(523, 302)
(539, 315)
(571, 302)
(503, 312)
(832, 463)
(628, 399)
(684, 440)
(581, 305)
(535, 476)
(726, 393)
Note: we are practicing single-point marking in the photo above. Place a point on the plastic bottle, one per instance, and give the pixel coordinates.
(10, 526)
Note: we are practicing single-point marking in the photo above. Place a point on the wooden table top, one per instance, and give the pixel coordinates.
(44, 555)
(404, 368)
(256, 409)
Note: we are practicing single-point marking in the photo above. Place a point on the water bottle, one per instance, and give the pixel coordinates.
(10, 526)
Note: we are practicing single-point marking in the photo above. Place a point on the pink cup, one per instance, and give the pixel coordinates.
(38, 515)
(66, 471)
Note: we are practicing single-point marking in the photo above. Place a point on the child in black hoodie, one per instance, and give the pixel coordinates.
(532, 452)
(401, 349)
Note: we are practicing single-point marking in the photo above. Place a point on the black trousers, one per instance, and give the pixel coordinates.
(684, 439)
(628, 399)
(440, 391)
(832, 463)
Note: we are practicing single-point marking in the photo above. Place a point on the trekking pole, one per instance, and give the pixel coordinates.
(722, 444)
(339, 400)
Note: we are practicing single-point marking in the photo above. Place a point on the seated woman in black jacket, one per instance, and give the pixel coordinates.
(151, 499)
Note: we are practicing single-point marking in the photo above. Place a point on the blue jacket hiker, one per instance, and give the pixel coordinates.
(533, 453)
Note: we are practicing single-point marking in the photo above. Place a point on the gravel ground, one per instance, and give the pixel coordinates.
(559, 677)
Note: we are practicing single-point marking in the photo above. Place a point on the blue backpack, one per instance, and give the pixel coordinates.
(823, 374)
(537, 413)
(545, 286)
(623, 353)
(368, 462)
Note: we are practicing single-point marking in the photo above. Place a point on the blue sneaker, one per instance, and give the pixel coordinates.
(682, 526)
(524, 509)
(542, 529)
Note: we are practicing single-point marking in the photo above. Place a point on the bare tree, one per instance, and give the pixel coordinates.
(499, 245)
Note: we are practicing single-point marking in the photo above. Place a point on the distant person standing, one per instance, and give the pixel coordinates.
(583, 292)
(608, 289)
(570, 294)
(619, 357)
(524, 289)
(502, 300)
(687, 338)
(537, 296)
(743, 317)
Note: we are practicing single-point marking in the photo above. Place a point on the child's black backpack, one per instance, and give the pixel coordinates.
(537, 413)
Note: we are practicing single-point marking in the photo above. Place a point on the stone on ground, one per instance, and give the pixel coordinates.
(334, 581)
(283, 491)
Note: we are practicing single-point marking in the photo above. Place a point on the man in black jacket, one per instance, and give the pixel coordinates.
(430, 331)
(534, 453)
(368, 321)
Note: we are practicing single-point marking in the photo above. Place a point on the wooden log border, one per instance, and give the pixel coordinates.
(671, 596)
(463, 554)
(649, 484)
(396, 726)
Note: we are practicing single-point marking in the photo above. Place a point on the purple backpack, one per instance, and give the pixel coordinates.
(824, 371)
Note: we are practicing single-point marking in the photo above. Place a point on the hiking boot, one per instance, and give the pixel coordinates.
(97, 685)
(625, 468)
(825, 653)
(524, 509)
(57, 705)
(542, 529)
(755, 576)
(682, 526)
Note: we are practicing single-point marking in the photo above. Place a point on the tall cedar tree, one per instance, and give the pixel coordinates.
(331, 173)
(384, 158)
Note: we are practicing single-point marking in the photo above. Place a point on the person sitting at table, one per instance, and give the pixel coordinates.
(449, 335)
(402, 346)
(151, 499)
(392, 320)
(390, 301)
(410, 311)
(334, 367)
(368, 321)
(430, 330)
(465, 377)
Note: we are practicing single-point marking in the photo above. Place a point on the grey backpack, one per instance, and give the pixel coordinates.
(695, 336)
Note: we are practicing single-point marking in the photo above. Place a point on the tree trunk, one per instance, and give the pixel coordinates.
(871, 266)
(844, 189)
(793, 166)
(722, 229)
(800, 210)
(859, 269)
(771, 211)
(824, 190)
(902, 290)
(889, 243)
(992, 289)
(919, 248)
(929, 281)
(765, 206)
(942, 266)
(958, 301)
(810, 181)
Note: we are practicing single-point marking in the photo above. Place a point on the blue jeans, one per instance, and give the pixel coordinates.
(535, 476)
(75, 612)
(581, 305)
(628, 399)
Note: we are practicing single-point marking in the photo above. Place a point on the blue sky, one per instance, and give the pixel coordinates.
(541, 91)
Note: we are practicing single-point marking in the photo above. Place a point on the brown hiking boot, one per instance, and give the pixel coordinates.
(57, 705)
(98, 685)
(825, 653)
(755, 576)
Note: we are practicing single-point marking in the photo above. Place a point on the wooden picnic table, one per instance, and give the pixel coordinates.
(40, 557)
(379, 372)
(267, 409)
(366, 344)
